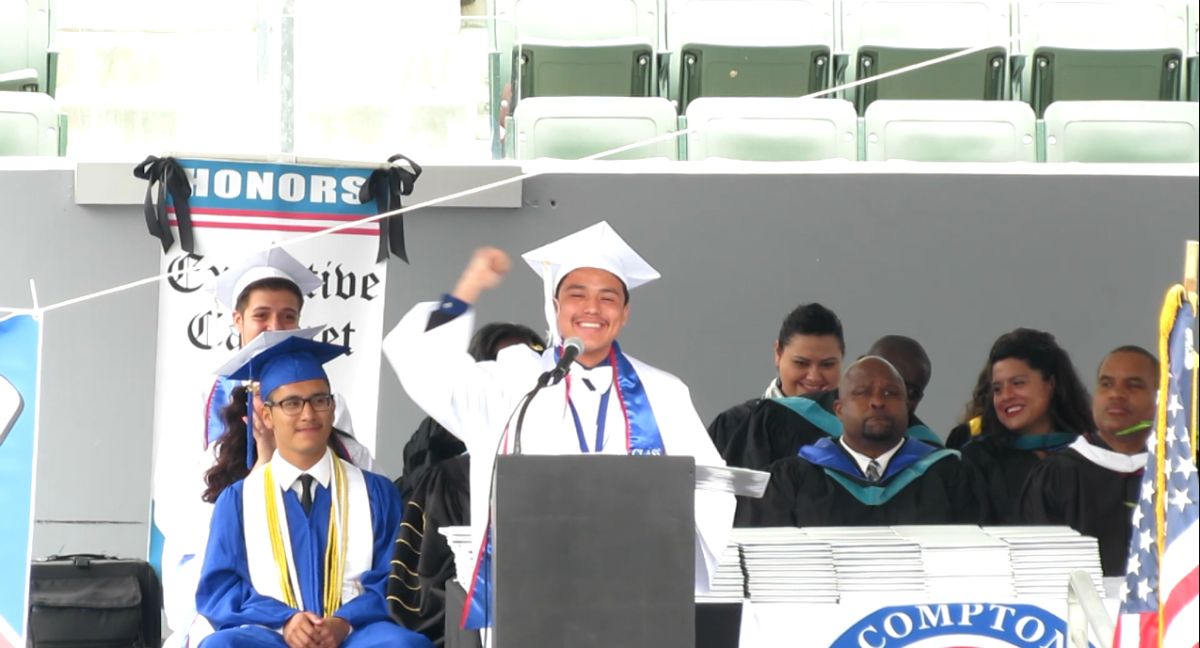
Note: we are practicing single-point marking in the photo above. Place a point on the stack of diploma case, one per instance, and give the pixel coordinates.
(91, 601)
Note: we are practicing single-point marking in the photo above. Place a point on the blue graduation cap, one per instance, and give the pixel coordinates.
(275, 359)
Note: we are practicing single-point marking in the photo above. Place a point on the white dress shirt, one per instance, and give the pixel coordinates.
(863, 460)
(286, 473)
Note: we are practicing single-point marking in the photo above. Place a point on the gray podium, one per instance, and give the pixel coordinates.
(594, 551)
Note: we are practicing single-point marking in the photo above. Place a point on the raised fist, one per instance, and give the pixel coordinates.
(488, 267)
(485, 271)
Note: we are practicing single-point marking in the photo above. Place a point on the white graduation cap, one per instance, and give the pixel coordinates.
(275, 263)
(598, 246)
(264, 341)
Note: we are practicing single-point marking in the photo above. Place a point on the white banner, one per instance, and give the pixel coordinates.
(238, 208)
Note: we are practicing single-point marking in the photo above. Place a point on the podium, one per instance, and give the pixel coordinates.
(594, 551)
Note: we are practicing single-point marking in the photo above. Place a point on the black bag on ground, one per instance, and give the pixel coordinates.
(92, 601)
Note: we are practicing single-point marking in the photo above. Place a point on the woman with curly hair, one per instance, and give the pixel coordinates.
(1038, 404)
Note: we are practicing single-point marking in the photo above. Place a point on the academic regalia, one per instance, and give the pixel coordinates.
(423, 561)
(643, 410)
(1090, 488)
(731, 424)
(228, 598)
(824, 486)
(1005, 463)
(181, 514)
(962, 434)
(779, 427)
(269, 557)
(430, 445)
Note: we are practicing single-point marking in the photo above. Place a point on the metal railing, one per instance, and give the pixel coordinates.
(1086, 610)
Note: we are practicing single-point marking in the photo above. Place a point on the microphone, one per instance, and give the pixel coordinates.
(572, 347)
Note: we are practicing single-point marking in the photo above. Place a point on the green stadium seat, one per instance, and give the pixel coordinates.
(1123, 131)
(578, 47)
(1102, 50)
(571, 128)
(1194, 79)
(1069, 74)
(748, 48)
(25, 37)
(951, 131)
(772, 129)
(882, 36)
(29, 125)
(596, 68)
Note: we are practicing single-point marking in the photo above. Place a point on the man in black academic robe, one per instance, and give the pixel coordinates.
(874, 474)
(779, 427)
(1093, 484)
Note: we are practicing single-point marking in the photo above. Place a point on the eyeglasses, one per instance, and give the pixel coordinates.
(293, 405)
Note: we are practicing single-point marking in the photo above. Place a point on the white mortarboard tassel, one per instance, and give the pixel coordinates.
(598, 246)
(275, 263)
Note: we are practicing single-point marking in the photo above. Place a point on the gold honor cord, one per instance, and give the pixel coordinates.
(277, 551)
(335, 549)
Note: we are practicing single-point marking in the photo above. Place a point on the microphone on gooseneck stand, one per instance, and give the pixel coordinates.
(572, 347)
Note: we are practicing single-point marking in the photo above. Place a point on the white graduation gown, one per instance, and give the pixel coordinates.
(475, 400)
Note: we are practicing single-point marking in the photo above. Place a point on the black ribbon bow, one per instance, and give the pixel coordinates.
(170, 177)
(385, 187)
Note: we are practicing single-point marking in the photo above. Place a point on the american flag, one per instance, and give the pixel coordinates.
(1159, 599)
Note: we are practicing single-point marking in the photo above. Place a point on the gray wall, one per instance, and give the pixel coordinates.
(951, 260)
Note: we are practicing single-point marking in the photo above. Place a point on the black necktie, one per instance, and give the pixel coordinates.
(306, 482)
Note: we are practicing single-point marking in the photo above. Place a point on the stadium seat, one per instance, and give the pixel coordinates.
(578, 47)
(25, 32)
(29, 125)
(881, 36)
(951, 131)
(772, 129)
(748, 48)
(572, 128)
(1102, 50)
(1123, 131)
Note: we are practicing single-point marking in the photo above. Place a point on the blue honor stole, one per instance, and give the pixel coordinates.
(642, 437)
(909, 463)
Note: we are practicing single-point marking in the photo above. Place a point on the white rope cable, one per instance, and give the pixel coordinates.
(507, 181)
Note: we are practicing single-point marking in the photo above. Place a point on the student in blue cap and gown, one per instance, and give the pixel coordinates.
(264, 293)
(299, 551)
(610, 403)
(873, 474)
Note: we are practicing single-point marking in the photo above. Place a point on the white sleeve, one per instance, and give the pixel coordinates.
(341, 418)
(714, 511)
(443, 379)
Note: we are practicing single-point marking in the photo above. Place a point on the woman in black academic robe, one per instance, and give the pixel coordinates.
(1037, 405)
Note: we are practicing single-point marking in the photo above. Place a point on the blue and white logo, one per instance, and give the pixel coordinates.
(960, 625)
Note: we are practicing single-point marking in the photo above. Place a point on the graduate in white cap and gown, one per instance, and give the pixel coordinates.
(610, 403)
(264, 293)
(300, 550)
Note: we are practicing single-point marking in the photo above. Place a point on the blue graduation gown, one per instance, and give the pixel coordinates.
(227, 598)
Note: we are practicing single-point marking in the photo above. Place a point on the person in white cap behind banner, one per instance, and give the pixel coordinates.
(610, 403)
(264, 292)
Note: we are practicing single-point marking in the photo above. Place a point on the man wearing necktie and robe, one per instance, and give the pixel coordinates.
(610, 403)
(873, 474)
(300, 550)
